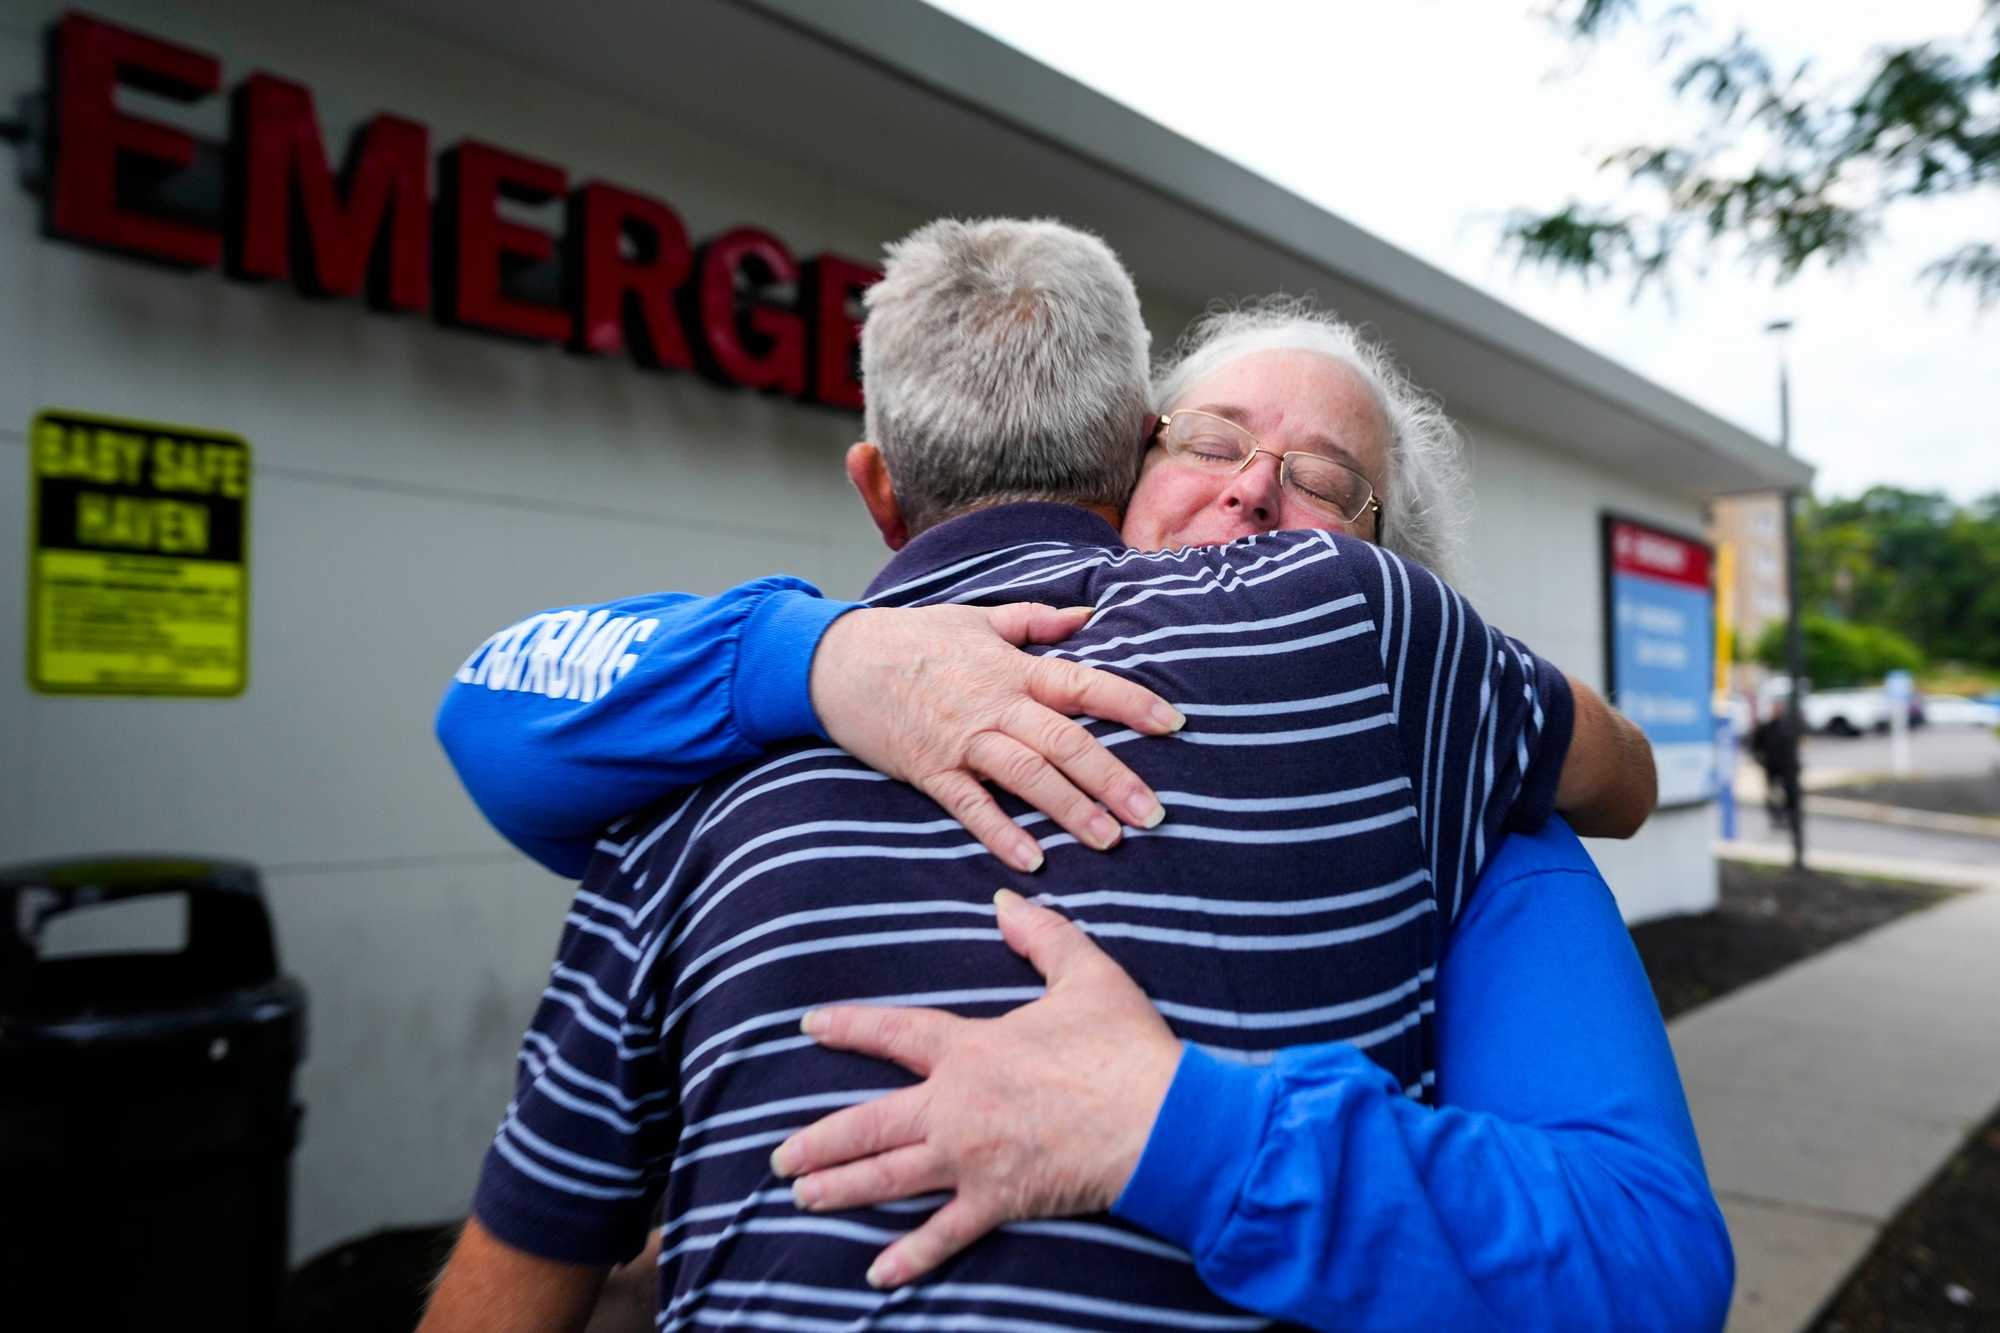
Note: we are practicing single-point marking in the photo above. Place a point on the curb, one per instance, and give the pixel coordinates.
(1951, 874)
(1836, 807)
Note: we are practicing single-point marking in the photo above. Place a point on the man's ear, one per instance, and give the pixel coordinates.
(869, 472)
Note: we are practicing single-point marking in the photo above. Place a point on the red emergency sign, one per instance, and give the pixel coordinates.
(741, 309)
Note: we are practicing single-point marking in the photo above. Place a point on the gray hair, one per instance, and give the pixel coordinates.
(1004, 360)
(1426, 497)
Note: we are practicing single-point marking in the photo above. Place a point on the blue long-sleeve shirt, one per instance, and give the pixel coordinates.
(1558, 1184)
(560, 723)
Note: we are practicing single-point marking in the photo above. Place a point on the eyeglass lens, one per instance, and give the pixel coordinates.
(1211, 441)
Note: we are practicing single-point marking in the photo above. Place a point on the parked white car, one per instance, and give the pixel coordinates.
(1847, 712)
(1836, 712)
(1955, 710)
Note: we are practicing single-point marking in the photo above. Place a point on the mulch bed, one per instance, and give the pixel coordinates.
(1942, 796)
(1770, 917)
(1937, 1266)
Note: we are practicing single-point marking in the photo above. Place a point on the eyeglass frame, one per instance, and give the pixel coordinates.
(1374, 505)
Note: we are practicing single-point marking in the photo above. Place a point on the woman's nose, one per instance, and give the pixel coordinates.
(1254, 491)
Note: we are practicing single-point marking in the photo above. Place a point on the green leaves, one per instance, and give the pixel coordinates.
(1839, 654)
(1916, 122)
(1590, 244)
(1908, 561)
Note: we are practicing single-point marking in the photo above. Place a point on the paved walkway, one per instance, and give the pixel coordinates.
(1827, 1094)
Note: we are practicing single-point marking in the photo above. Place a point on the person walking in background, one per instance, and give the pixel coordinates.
(1775, 747)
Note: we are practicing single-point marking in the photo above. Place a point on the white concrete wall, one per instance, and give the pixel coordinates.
(414, 488)
(1535, 570)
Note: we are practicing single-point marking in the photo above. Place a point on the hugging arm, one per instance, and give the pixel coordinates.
(1557, 1186)
(562, 722)
(572, 718)
(491, 1287)
(1609, 785)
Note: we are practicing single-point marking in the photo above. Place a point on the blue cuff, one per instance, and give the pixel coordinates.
(1200, 1151)
(774, 660)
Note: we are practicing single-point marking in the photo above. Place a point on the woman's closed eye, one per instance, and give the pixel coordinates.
(1213, 448)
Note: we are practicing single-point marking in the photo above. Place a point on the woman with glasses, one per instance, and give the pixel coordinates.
(1279, 417)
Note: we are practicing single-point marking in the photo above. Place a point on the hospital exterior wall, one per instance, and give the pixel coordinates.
(416, 487)
(1536, 569)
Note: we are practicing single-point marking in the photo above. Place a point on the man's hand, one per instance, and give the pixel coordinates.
(1041, 1113)
(941, 697)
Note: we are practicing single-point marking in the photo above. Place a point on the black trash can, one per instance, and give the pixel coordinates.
(146, 1112)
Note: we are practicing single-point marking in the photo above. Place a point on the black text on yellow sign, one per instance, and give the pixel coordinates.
(138, 572)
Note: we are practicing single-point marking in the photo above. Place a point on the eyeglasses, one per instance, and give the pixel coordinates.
(1217, 444)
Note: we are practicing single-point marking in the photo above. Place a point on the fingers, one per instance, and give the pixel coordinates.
(1073, 688)
(1056, 945)
(1097, 773)
(973, 806)
(946, 1232)
(1031, 622)
(914, 1038)
(883, 1125)
(1035, 780)
(900, 1173)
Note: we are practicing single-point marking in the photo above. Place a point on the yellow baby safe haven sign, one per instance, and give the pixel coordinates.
(138, 571)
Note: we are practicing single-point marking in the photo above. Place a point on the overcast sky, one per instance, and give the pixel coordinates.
(1426, 121)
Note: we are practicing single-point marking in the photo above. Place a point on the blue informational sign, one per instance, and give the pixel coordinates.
(1662, 650)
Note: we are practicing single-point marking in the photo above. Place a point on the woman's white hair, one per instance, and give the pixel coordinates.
(1004, 360)
(1426, 497)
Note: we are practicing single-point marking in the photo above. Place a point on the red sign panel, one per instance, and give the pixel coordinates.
(621, 279)
(1651, 553)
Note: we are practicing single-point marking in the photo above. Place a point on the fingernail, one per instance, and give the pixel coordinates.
(805, 1193)
(1103, 831)
(778, 1159)
(884, 1272)
(1147, 812)
(1168, 718)
(813, 1022)
(1028, 855)
(1006, 900)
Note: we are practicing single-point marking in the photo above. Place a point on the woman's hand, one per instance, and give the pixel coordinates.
(1043, 1112)
(942, 696)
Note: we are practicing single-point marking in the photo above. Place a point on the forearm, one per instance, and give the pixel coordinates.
(1559, 1185)
(1314, 1191)
(489, 1287)
(562, 723)
(1609, 785)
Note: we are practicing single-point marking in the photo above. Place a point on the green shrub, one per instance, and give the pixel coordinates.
(1840, 654)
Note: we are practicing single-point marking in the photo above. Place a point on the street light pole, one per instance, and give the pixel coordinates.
(1795, 651)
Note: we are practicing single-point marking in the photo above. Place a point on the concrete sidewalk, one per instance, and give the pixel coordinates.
(1827, 1094)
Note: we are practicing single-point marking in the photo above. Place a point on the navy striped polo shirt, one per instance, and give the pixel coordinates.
(1357, 741)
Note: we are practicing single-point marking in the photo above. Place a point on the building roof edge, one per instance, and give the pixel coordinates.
(929, 47)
